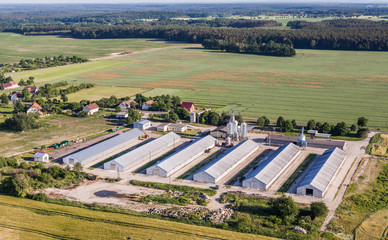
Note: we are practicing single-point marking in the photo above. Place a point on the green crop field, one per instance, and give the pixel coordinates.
(27, 219)
(99, 92)
(328, 86)
(15, 46)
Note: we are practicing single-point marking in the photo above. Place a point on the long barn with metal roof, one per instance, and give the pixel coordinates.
(270, 168)
(143, 153)
(177, 161)
(223, 165)
(322, 173)
(103, 149)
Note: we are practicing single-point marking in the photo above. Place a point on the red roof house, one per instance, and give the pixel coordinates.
(190, 106)
(91, 108)
(9, 85)
(35, 108)
(31, 89)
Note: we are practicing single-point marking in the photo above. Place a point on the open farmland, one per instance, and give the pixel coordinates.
(19, 220)
(322, 85)
(15, 46)
(99, 92)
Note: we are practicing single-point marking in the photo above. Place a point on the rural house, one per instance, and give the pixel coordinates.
(171, 127)
(9, 85)
(16, 96)
(41, 157)
(35, 108)
(189, 106)
(147, 105)
(91, 108)
(126, 104)
(32, 89)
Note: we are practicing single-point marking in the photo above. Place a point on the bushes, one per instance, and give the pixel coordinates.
(318, 209)
(20, 122)
(285, 208)
(180, 188)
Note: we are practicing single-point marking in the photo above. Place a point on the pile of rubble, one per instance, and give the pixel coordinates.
(217, 216)
(243, 194)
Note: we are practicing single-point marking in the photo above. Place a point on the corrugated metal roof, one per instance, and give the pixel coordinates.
(107, 144)
(181, 157)
(229, 160)
(324, 169)
(269, 168)
(139, 154)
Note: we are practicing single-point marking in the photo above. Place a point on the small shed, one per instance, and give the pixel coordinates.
(122, 115)
(163, 127)
(142, 124)
(41, 157)
(177, 127)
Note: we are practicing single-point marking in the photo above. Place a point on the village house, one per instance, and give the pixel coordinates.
(189, 106)
(147, 105)
(41, 157)
(92, 108)
(171, 127)
(35, 108)
(126, 104)
(31, 89)
(9, 85)
(16, 96)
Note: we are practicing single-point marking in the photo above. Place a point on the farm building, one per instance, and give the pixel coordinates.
(316, 142)
(142, 124)
(219, 132)
(122, 115)
(171, 127)
(31, 89)
(41, 157)
(35, 108)
(91, 108)
(126, 104)
(143, 153)
(147, 105)
(178, 160)
(9, 85)
(270, 168)
(322, 173)
(223, 165)
(104, 149)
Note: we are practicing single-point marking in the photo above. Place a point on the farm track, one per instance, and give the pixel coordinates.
(91, 219)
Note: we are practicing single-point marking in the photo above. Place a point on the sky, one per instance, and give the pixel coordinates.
(179, 1)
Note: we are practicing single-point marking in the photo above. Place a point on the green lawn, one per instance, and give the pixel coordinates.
(328, 86)
(27, 219)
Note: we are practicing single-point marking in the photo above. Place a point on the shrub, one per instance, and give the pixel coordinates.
(285, 208)
(318, 209)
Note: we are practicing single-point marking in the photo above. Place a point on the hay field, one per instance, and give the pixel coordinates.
(27, 219)
(328, 86)
(381, 147)
(374, 227)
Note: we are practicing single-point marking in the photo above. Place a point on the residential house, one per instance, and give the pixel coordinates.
(122, 115)
(41, 157)
(9, 85)
(16, 96)
(171, 127)
(35, 108)
(147, 105)
(91, 108)
(31, 89)
(142, 124)
(126, 104)
(189, 106)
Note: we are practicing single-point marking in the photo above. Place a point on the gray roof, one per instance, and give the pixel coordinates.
(107, 145)
(230, 159)
(324, 169)
(269, 168)
(40, 154)
(143, 121)
(137, 155)
(174, 161)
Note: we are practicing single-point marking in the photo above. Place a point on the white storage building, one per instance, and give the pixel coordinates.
(223, 165)
(322, 172)
(143, 153)
(270, 168)
(103, 149)
(41, 157)
(178, 160)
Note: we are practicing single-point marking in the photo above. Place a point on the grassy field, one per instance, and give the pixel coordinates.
(15, 46)
(373, 227)
(381, 147)
(55, 129)
(328, 86)
(27, 219)
(99, 92)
